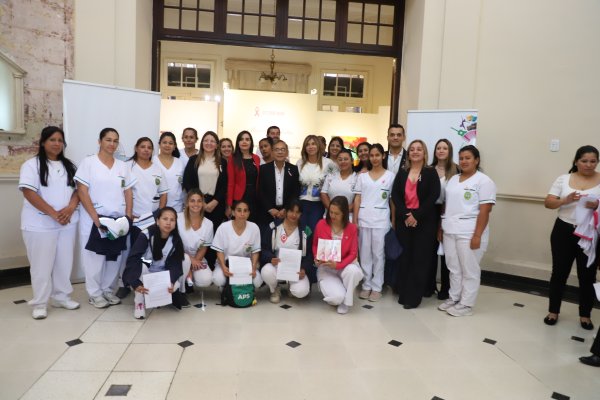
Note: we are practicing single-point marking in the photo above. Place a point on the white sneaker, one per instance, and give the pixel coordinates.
(99, 302)
(342, 309)
(111, 298)
(460, 311)
(69, 304)
(139, 312)
(275, 296)
(446, 305)
(39, 312)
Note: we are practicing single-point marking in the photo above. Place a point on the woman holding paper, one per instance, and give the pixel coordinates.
(240, 238)
(581, 184)
(337, 279)
(414, 193)
(372, 211)
(285, 235)
(161, 244)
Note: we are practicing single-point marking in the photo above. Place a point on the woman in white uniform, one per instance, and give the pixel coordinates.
(285, 235)
(340, 183)
(582, 180)
(196, 232)
(372, 211)
(149, 194)
(48, 222)
(172, 167)
(338, 279)
(470, 196)
(238, 237)
(189, 137)
(104, 186)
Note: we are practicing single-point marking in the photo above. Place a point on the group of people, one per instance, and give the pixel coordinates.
(191, 209)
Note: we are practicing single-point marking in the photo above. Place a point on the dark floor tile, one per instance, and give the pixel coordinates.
(395, 343)
(74, 342)
(200, 305)
(367, 306)
(20, 301)
(558, 396)
(118, 390)
(489, 341)
(436, 398)
(519, 305)
(285, 306)
(577, 339)
(293, 344)
(186, 343)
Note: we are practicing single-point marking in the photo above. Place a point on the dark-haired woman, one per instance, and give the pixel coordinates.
(286, 234)
(189, 137)
(566, 192)
(446, 168)
(372, 211)
(470, 197)
(340, 183)
(161, 244)
(336, 144)
(48, 222)
(172, 167)
(414, 193)
(362, 151)
(242, 174)
(226, 148)
(104, 186)
(338, 279)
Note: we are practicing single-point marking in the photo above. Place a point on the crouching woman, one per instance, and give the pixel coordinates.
(158, 248)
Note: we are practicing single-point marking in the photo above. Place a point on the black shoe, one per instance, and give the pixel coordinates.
(123, 292)
(189, 288)
(408, 306)
(443, 296)
(588, 326)
(185, 303)
(176, 298)
(428, 293)
(592, 360)
(550, 321)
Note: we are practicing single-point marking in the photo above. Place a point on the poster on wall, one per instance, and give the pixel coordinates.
(351, 143)
(458, 126)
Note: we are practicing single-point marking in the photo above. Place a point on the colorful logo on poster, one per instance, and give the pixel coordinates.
(467, 128)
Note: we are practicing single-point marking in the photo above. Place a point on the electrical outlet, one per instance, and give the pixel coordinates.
(554, 145)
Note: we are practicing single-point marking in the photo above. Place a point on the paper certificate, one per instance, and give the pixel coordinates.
(158, 284)
(241, 268)
(289, 265)
(329, 250)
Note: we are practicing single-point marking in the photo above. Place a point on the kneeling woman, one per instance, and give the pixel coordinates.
(286, 235)
(240, 238)
(162, 244)
(337, 280)
(196, 232)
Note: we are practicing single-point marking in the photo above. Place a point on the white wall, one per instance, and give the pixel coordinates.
(530, 68)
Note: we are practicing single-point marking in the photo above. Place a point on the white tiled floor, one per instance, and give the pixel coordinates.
(242, 354)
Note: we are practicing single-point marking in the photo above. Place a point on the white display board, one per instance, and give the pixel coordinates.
(176, 115)
(255, 111)
(88, 108)
(458, 126)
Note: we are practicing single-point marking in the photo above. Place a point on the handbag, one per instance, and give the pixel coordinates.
(393, 248)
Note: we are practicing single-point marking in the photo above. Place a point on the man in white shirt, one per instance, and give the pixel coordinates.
(396, 155)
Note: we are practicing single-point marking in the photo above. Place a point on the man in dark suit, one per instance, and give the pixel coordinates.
(278, 183)
(395, 157)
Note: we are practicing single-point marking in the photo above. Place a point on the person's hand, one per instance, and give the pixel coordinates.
(171, 289)
(226, 271)
(301, 274)
(275, 261)
(410, 221)
(593, 204)
(141, 289)
(210, 206)
(440, 235)
(571, 197)
(281, 214)
(254, 269)
(475, 242)
(329, 264)
(274, 212)
(63, 216)
(196, 264)
(228, 212)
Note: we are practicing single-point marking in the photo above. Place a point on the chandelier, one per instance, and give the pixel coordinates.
(273, 76)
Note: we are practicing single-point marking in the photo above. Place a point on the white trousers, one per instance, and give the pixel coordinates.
(463, 264)
(372, 256)
(219, 278)
(201, 277)
(338, 286)
(50, 257)
(298, 289)
(100, 275)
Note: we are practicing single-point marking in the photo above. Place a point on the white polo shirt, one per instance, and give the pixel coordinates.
(334, 186)
(463, 200)
(192, 239)
(374, 210)
(150, 185)
(231, 244)
(57, 194)
(105, 186)
(174, 176)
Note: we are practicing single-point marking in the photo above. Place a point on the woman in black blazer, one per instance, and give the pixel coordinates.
(415, 191)
(270, 207)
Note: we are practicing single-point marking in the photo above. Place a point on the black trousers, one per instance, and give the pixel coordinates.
(596, 345)
(565, 250)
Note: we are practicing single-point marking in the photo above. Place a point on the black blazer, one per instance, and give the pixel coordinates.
(190, 179)
(267, 188)
(428, 191)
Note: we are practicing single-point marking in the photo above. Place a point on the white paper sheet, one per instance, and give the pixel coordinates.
(581, 211)
(329, 250)
(241, 268)
(289, 265)
(158, 284)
